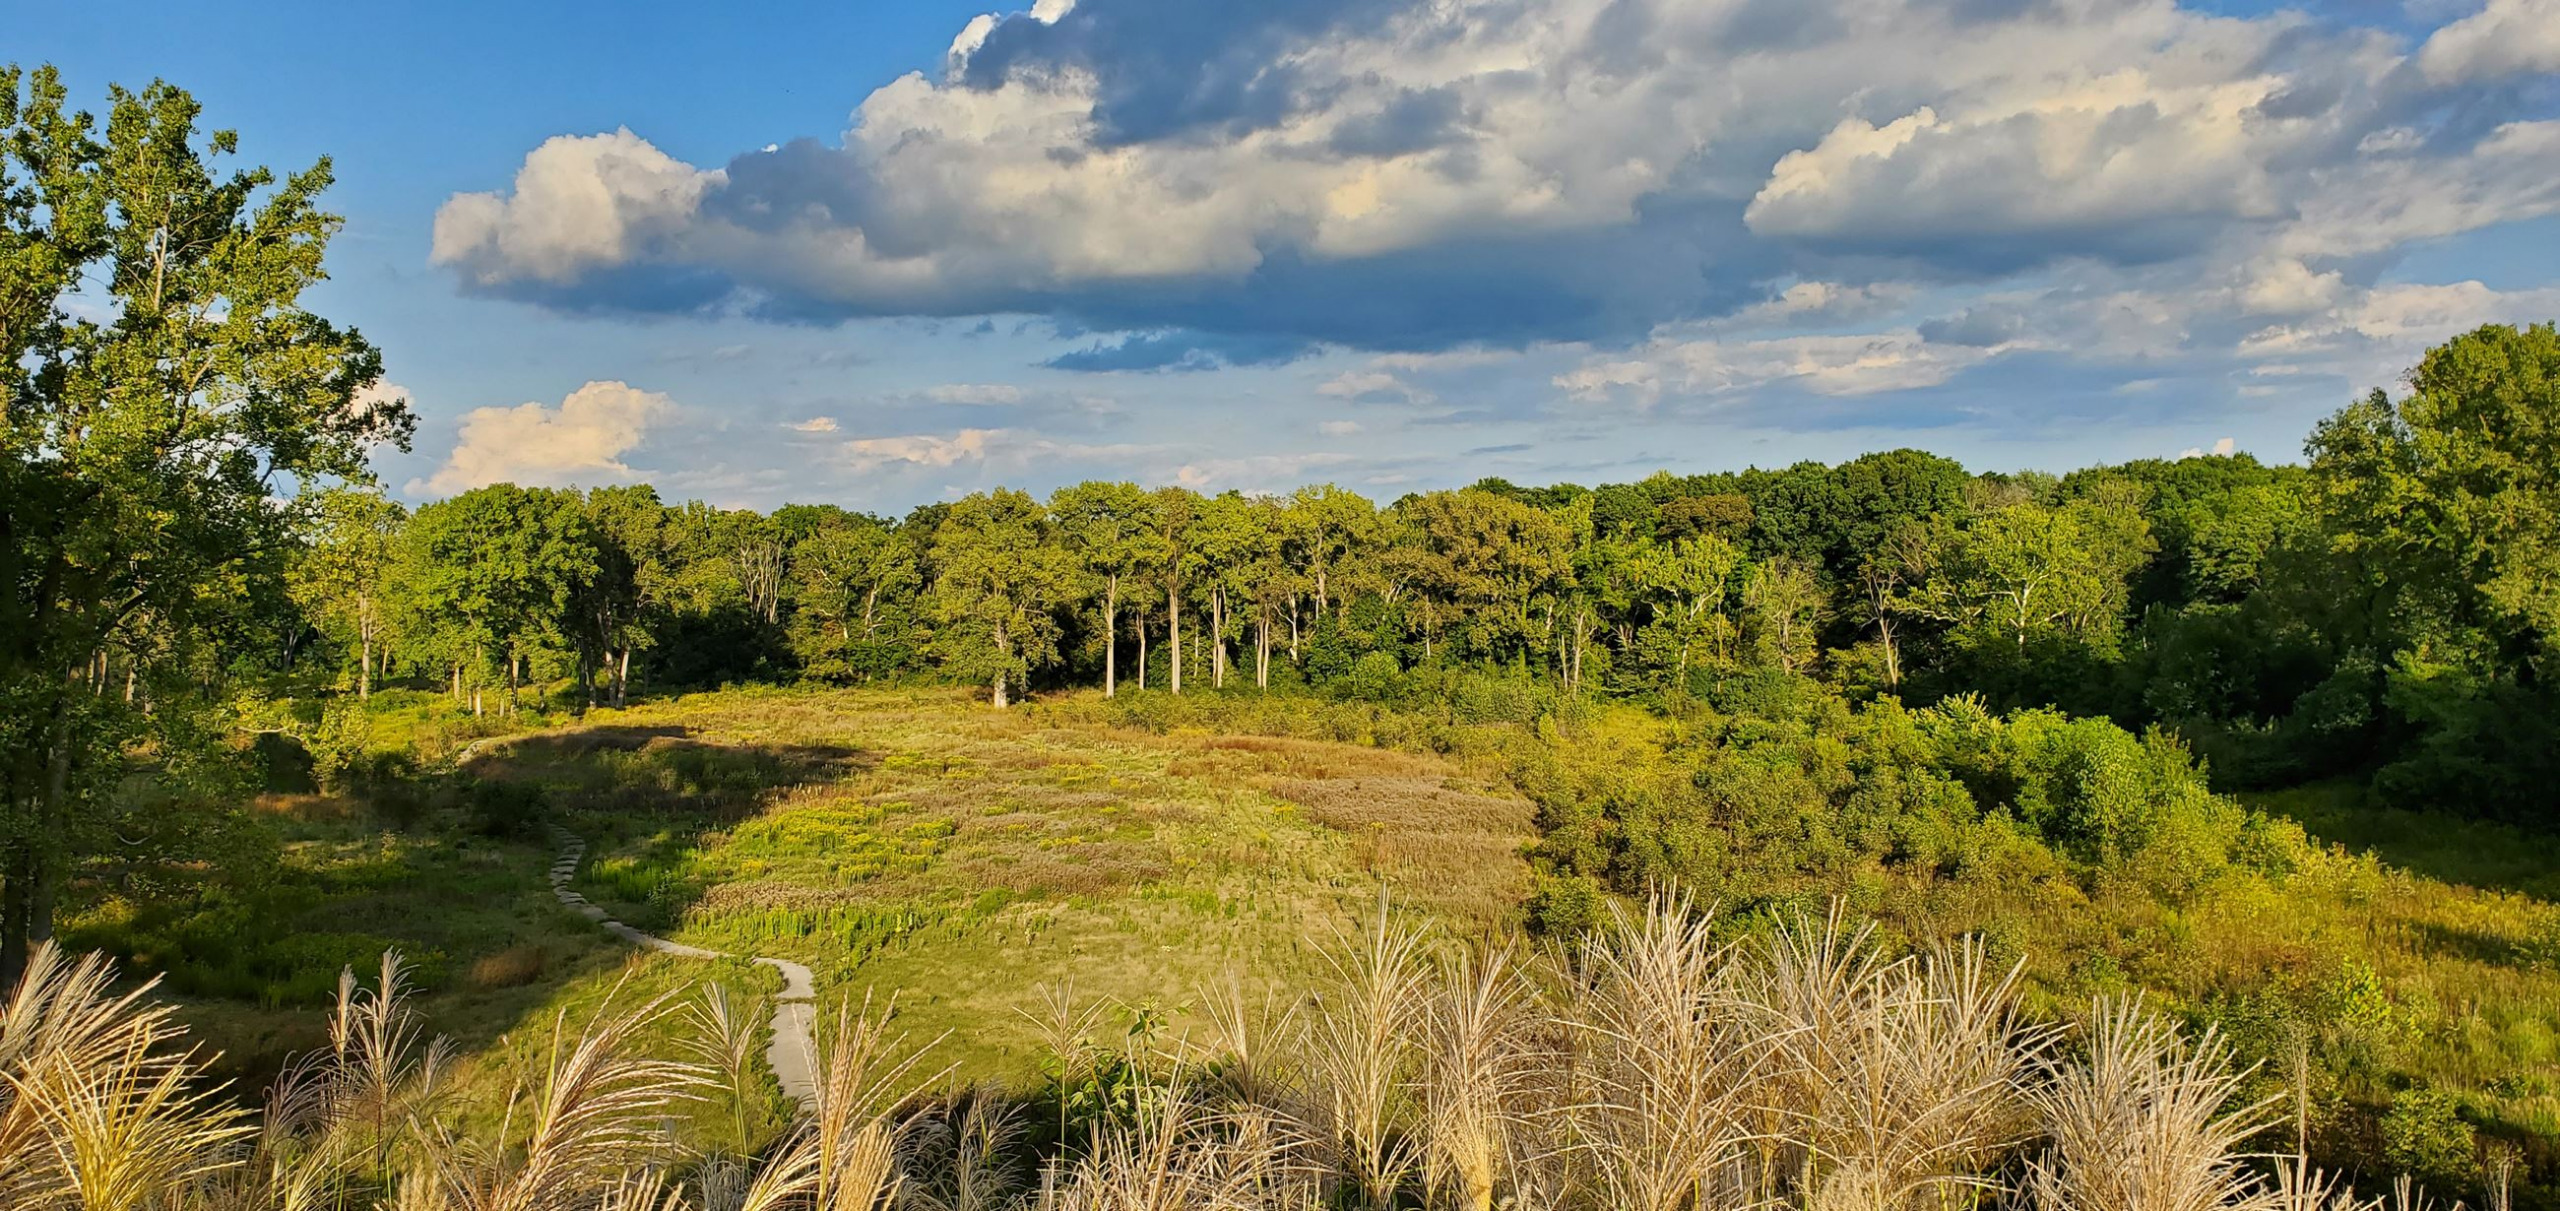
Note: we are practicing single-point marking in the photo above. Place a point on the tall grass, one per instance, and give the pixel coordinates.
(1652, 1067)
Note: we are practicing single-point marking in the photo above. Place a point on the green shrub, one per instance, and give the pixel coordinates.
(2424, 1136)
(494, 808)
(1567, 905)
(1375, 677)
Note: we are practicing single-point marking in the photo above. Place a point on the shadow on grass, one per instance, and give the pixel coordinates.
(2439, 845)
(643, 797)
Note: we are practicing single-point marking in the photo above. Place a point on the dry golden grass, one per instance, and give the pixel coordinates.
(1655, 1068)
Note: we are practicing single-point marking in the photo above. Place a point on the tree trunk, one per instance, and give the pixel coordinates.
(1111, 637)
(364, 668)
(1173, 607)
(1004, 657)
(17, 898)
(1218, 639)
(622, 677)
(1142, 652)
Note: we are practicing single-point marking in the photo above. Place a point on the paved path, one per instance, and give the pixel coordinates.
(790, 1052)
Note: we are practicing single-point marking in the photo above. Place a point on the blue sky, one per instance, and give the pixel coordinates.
(884, 253)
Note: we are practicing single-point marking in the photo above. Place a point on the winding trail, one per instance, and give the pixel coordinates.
(790, 1052)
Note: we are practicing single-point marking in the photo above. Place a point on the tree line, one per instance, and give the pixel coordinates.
(2385, 608)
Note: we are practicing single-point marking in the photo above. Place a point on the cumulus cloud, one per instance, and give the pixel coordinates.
(2388, 326)
(1372, 387)
(2132, 164)
(581, 441)
(1629, 200)
(815, 424)
(968, 445)
(2503, 39)
(580, 205)
(975, 393)
(1842, 365)
(1233, 182)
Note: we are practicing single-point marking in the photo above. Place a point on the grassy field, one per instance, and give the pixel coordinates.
(984, 867)
(975, 863)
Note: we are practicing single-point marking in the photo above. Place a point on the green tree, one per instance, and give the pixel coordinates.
(167, 404)
(1690, 578)
(630, 584)
(2459, 484)
(1111, 529)
(846, 569)
(498, 573)
(1233, 542)
(1785, 602)
(343, 572)
(1177, 510)
(1479, 558)
(1000, 579)
(2013, 573)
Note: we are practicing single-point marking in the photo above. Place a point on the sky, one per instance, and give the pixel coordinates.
(878, 254)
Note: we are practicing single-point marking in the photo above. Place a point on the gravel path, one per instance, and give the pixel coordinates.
(790, 1052)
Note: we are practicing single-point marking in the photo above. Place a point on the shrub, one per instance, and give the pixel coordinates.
(1375, 677)
(1569, 905)
(2425, 1137)
(503, 808)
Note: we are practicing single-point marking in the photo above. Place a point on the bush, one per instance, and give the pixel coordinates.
(1567, 906)
(2425, 1137)
(503, 809)
(1376, 677)
(1477, 698)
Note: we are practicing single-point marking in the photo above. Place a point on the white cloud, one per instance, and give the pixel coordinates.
(815, 424)
(581, 441)
(2132, 131)
(379, 393)
(2222, 447)
(2405, 316)
(579, 203)
(2373, 335)
(1338, 428)
(2506, 38)
(1261, 472)
(1373, 386)
(968, 445)
(1812, 300)
(2097, 158)
(975, 393)
(1859, 364)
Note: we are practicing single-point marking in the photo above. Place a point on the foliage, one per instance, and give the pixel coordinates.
(168, 410)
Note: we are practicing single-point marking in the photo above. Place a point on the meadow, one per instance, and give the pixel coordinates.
(1125, 871)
